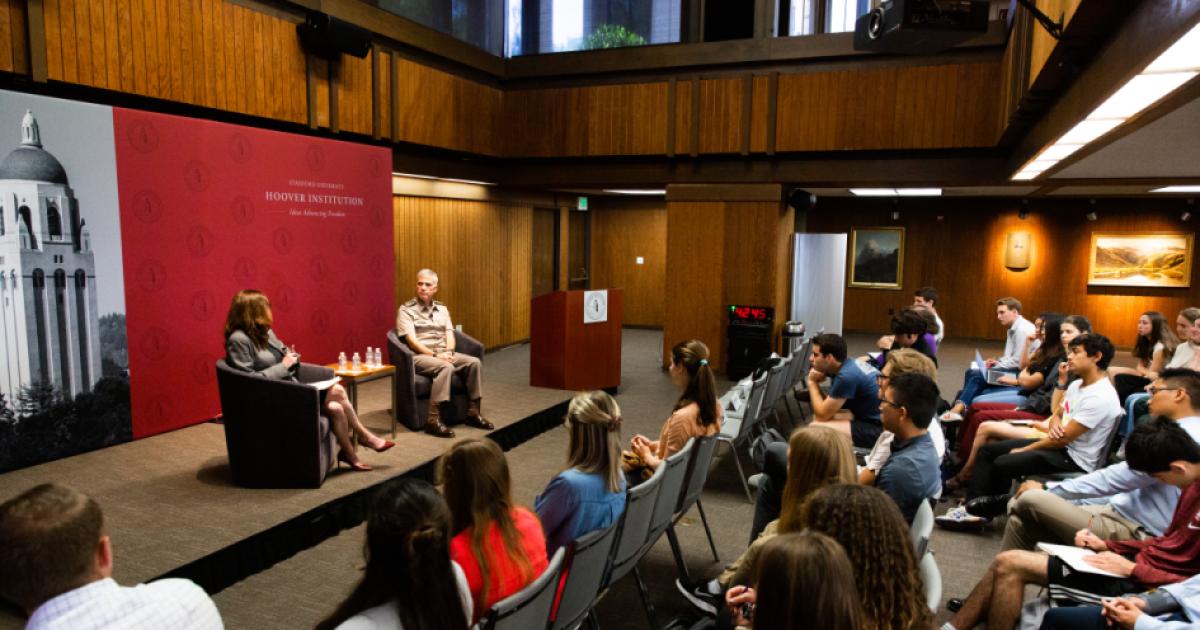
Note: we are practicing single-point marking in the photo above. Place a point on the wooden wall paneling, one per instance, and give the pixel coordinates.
(1043, 44)
(542, 254)
(720, 112)
(1055, 280)
(683, 117)
(320, 82)
(621, 232)
(446, 111)
(6, 38)
(757, 269)
(376, 94)
(759, 113)
(355, 94)
(695, 258)
(694, 130)
(626, 119)
(394, 96)
(125, 44)
(486, 278)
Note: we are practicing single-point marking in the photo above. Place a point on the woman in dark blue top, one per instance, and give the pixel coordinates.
(590, 493)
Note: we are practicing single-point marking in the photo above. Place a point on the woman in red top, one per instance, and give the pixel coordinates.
(500, 547)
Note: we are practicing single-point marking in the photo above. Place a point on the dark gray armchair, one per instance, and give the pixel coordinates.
(412, 389)
(275, 432)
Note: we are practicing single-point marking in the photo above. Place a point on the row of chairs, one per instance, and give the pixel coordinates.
(594, 562)
(739, 425)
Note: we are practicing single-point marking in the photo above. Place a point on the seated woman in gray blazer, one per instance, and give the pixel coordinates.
(251, 345)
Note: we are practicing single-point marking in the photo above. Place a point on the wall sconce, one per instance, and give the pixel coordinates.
(1016, 250)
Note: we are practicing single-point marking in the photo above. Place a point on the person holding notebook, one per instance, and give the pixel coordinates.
(1160, 448)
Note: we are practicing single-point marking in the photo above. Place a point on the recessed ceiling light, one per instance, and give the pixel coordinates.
(1088, 130)
(1141, 92)
(1026, 175)
(873, 192)
(1184, 54)
(1058, 151)
(636, 191)
(444, 179)
(919, 192)
(1188, 188)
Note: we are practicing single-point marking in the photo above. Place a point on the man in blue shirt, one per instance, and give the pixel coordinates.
(851, 390)
(911, 474)
(1119, 503)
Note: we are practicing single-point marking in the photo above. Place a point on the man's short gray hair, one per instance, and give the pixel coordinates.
(429, 273)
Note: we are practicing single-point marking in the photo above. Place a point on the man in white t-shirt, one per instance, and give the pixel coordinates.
(56, 562)
(1077, 435)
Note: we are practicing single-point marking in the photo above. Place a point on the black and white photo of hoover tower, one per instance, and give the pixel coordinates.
(49, 324)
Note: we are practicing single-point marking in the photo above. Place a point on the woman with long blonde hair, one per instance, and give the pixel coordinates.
(818, 456)
(500, 546)
(251, 346)
(590, 493)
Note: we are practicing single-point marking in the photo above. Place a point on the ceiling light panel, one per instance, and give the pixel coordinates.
(1182, 55)
(1141, 92)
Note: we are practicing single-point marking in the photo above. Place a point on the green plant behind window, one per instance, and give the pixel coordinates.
(612, 36)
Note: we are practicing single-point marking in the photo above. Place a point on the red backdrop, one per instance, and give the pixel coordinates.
(208, 209)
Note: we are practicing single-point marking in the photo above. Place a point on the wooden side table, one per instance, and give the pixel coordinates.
(352, 378)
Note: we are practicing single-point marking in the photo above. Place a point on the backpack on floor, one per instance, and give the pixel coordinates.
(758, 448)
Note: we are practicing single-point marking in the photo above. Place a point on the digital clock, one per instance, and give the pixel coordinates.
(750, 315)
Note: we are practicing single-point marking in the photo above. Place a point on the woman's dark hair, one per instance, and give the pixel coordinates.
(249, 312)
(1080, 323)
(909, 321)
(805, 580)
(408, 560)
(871, 529)
(1160, 332)
(478, 488)
(701, 386)
(1051, 349)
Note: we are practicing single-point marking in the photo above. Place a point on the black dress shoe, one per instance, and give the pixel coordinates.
(479, 422)
(988, 507)
(437, 429)
(954, 605)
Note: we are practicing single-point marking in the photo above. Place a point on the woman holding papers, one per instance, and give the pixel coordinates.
(252, 346)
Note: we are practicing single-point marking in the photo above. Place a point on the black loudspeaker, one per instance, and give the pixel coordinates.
(327, 36)
(920, 27)
(801, 200)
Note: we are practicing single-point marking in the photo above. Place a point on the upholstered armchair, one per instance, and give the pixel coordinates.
(412, 389)
(274, 430)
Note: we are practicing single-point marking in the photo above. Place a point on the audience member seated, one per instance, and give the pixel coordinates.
(1160, 448)
(928, 297)
(1035, 364)
(56, 563)
(697, 413)
(590, 493)
(903, 361)
(987, 421)
(499, 546)
(932, 329)
(425, 325)
(1077, 437)
(1137, 506)
(1187, 330)
(1169, 607)
(804, 580)
(912, 473)
(908, 327)
(817, 456)
(870, 528)
(1008, 313)
(410, 580)
(251, 345)
(1154, 348)
(852, 392)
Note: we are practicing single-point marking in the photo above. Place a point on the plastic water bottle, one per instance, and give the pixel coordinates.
(378, 356)
(356, 362)
(342, 361)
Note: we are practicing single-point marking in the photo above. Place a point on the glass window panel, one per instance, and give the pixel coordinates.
(547, 26)
(841, 14)
(802, 17)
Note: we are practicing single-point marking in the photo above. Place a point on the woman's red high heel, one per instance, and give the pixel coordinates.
(342, 457)
(386, 445)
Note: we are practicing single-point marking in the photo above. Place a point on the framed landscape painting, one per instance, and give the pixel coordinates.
(877, 257)
(1160, 260)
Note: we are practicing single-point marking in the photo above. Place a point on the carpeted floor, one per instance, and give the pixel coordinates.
(298, 592)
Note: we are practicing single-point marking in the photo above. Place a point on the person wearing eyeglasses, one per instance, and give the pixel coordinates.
(1134, 505)
(912, 472)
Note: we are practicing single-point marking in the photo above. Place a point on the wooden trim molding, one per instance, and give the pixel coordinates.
(310, 90)
(335, 76)
(395, 84)
(35, 21)
(376, 123)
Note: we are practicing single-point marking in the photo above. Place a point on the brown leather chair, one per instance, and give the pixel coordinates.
(412, 389)
(275, 432)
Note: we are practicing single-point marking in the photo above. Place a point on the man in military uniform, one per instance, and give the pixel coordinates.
(425, 324)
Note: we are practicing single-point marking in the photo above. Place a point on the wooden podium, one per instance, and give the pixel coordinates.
(565, 352)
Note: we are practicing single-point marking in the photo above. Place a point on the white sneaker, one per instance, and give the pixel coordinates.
(754, 480)
(950, 416)
(959, 518)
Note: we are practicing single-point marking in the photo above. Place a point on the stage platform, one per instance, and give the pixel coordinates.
(172, 510)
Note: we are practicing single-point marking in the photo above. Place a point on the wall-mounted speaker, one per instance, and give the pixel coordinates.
(1016, 250)
(326, 36)
(801, 200)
